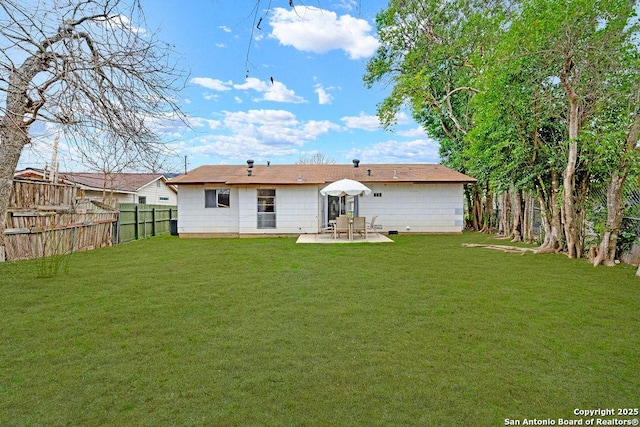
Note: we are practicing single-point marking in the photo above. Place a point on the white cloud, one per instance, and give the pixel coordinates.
(213, 84)
(324, 97)
(348, 4)
(263, 117)
(316, 30)
(413, 133)
(273, 91)
(225, 28)
(252, 83)
(316, 128)
(403, 118)
(121, 22)
(416, 151)
(202, 122)
(258, 134)
(363, 121)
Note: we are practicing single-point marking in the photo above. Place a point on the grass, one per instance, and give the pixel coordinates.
(170, 331)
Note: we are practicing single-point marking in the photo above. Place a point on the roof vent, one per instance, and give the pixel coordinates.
(249, 171)
(250, 163)
(356, 163)
(368, 172)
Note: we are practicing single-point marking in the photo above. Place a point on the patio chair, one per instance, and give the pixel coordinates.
(341, 226)
(371, 226)
(360, 226)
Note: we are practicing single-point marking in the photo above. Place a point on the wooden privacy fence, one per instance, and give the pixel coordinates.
(140, 221)
(45, 219)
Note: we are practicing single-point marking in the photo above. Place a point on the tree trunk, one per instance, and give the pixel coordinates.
(518, 215)
(477, 212)
(569, 214)
(607, 250)
(14, 129)
(470, 206)
(489, 210)
(527, 218)
(551, 214)
(505, 213)
(615, 210)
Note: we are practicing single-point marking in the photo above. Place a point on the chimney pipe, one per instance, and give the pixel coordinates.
(250, 163)
(356, 163)
(368, 172)
(249, 171)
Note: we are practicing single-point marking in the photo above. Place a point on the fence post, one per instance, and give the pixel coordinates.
(153, 221)
(137, 223)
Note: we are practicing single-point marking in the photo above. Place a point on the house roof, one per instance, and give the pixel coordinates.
(125, 182)
(120, 182)
(320, 174)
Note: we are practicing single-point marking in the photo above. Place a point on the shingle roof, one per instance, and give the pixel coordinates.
(320, 174)
(127, 182)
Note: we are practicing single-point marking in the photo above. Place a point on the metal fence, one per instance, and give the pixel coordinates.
(137, 221)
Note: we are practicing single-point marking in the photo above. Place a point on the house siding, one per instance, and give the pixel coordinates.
(424, 208)
(193, 217)
(153, 192)
(119, 197)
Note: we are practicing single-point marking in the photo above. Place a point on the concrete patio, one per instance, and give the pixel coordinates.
(328, 238)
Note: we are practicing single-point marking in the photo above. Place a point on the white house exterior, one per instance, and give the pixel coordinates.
(215, 201)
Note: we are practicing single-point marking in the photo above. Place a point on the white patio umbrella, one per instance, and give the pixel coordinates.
(345, 187)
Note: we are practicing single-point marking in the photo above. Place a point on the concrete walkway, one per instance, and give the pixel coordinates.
(328, 238)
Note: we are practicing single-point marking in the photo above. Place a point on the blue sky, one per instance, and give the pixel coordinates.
(316, 53)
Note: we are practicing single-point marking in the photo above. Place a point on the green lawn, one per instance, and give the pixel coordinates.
(245, 332)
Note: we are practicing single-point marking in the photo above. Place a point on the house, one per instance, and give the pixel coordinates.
(143, 188)
(249, 200)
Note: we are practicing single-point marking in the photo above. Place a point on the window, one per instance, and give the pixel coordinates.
(142, 200)
(266, 208)
(216, 198)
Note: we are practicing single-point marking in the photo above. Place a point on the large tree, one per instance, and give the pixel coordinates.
(576, 45)
(432, 52)
(87, 67)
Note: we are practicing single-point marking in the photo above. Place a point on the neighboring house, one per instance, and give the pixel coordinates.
(143, 188)
(285, 199)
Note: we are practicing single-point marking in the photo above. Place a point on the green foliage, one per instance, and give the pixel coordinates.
(170, 331)
(433, 52)
(628, 235)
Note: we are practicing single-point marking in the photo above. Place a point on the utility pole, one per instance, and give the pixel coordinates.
(53, 175)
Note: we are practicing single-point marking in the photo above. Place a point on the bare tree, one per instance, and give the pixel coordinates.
(315, 159)
(87, 66)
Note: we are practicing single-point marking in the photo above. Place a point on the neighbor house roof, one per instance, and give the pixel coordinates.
(125, 182)
(320, 174)
(120, 182)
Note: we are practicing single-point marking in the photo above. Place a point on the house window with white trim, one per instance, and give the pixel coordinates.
(266, 208)
(216, 198)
